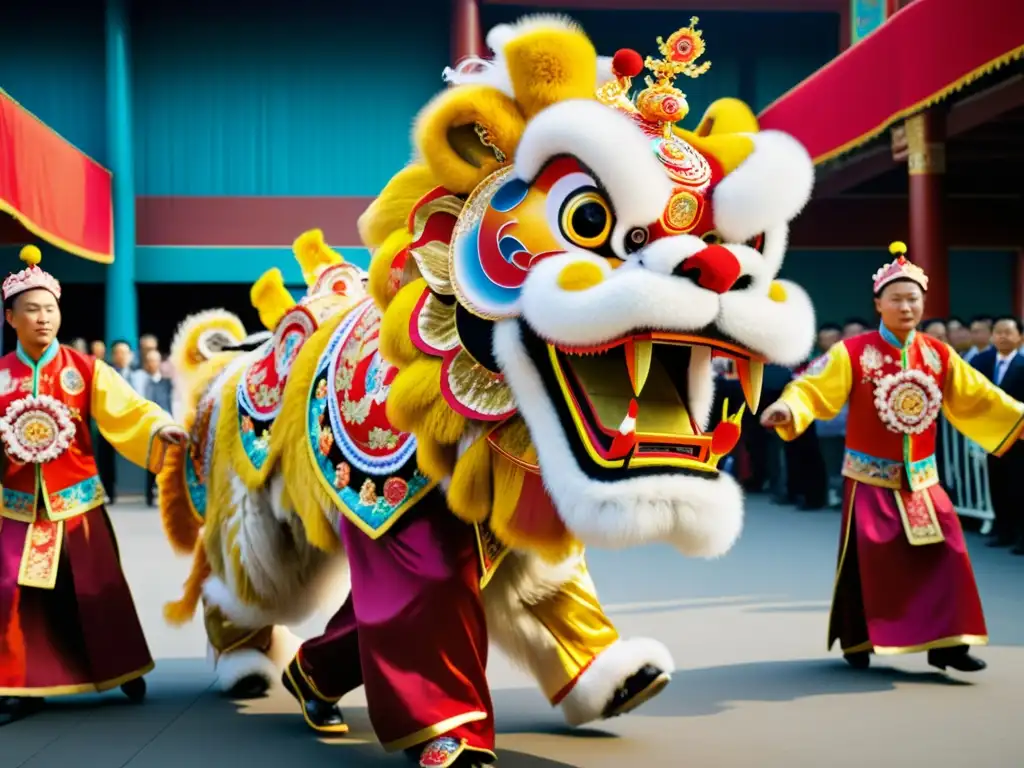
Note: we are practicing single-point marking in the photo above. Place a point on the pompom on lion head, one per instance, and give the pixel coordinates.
(560, 266)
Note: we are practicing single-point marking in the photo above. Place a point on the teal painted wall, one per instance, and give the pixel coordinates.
(275, 98)
(755, 56)
(839, 282)
(52, 63)
(181, 265)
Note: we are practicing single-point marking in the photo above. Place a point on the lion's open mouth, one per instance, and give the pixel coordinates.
(626, 406)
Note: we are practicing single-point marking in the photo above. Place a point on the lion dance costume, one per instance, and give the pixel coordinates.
(530, 373)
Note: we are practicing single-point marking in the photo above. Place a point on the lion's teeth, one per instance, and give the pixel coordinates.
(751, 375)
(638, 363)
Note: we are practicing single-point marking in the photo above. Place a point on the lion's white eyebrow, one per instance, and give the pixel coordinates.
(609, 145)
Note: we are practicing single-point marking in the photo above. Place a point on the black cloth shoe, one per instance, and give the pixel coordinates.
(320, 715)
(640, 687)
(957, 658)
(16, 708)
(859, 660)
(135, 690)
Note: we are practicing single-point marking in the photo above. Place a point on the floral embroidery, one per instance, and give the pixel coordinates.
(321, 390)
(356, 411)
(325, 440)
(441, 753)
(860, 466)
(931, 359)
(382, 438)
(870, 360)
(368, 493)
(71, 381)
(395, 490)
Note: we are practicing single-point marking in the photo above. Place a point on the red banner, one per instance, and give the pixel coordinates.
(927, 51)
(53, 190)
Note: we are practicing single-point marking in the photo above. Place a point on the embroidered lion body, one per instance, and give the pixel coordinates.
(550, 281)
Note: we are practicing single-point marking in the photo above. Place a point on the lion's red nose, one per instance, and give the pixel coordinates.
(714, 268)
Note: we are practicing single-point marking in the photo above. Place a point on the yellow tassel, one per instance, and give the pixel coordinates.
(413, 391)
(180, 523)
(31, 255)
(436, 461)
(270, 298)
(383, 280)
(304, 488)
(469, 494)
(313, 254)
(395, 344)
(441, 423)
(181, 611)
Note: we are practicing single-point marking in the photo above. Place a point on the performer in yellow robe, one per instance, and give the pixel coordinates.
(67, 621)
(904, 581)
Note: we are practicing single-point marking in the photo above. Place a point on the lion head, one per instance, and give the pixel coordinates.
(560, 265)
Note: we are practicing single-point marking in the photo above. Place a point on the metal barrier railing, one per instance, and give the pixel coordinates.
(963, 465)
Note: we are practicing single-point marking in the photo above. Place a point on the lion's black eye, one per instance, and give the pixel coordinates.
(586, 220)
(636, 239)
(712, 237)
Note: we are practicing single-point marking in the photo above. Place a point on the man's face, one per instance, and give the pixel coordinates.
(936, 329)
(151, 361)
(98, 349)
(121, 355)
(1005, 336)
(35, 318)
(981, 333)
(146, 343)
(852, 329)
(901, 306)
(959, 336)
(827, 337)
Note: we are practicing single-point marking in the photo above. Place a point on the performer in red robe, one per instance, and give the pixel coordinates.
(67, 621)
(904, 581)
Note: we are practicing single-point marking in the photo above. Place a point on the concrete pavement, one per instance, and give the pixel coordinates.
(755, 686)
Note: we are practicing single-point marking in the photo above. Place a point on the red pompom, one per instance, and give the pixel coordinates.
(627, 63)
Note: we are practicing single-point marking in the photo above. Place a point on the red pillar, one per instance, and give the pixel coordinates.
(926, 166)
(1018, 285)
(467, 35)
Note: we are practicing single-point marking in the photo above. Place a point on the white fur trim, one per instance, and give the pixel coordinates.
(781, 331)
(611, 147)
(237, 665)
(189, 325)
(700, 516)
(769, 188)
(629, 298)
(291, 578)
(587, 699)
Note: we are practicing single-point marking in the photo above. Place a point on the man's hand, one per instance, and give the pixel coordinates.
(173, 435)
(776, 415)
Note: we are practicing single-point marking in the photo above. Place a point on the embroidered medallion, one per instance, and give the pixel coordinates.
(368, 467)
(72, 382)
(441, 753)
(36, 429)
(261, 386)
(908, 401)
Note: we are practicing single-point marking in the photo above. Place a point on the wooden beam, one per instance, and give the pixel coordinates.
(806, 6)
(874, 222)
(963, 116)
